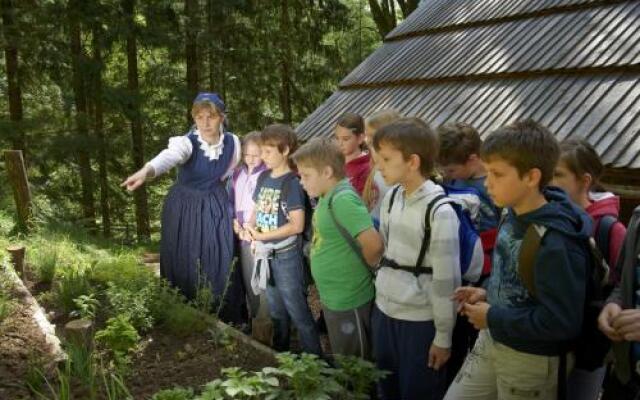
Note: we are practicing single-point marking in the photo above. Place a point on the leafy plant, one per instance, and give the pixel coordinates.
(6, 305)
(183, 320)
(176, 393)
(122, 271)
(70, 286)
(219, 337)
(60, 390)
(240, 384)
(358, 375)
(83, 365)
(308, 376)
(86, 306)
(119, 337)
(114, 386)
(45, 262)
(133, 305)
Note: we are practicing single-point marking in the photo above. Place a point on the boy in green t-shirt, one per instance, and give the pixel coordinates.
(344, 245)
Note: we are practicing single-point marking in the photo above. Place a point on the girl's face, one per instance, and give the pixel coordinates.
(208, 122)
(348, 141)
(565, 179)
(251, 155)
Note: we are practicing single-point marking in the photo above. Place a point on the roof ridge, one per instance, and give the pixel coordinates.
(627, 68)
(552, 10)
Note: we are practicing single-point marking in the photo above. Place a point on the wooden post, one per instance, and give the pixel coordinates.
(17, 174)
(17, 258)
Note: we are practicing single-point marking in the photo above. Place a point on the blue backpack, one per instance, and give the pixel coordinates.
(462, 200)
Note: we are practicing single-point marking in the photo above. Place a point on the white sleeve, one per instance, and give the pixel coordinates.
(177, 152)
(237, 155)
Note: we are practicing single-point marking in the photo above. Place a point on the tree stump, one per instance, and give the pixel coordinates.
(17, 258)
(262, 330)
(80, 332)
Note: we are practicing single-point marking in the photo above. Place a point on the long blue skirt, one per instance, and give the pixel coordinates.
(196, 246)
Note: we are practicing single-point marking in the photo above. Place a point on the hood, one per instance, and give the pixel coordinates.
(603, 203)
(560, 214)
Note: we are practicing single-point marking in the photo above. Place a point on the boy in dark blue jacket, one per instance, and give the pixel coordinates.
(522, 335)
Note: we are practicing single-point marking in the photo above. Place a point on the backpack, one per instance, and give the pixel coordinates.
(591, 346)
(603, 234)
(471, 251)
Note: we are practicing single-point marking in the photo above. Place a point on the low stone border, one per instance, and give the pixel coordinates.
(24, 296)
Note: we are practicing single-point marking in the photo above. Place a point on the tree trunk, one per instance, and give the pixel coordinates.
(99, 131)
(17, 175)
(191, 10)
(82, 132)
(285, 66)
(140, 195)
(13, 75)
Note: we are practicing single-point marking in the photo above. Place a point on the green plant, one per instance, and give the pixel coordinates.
(70, 286)
(119, 337)
(240, 384)
(183, 320)
(86, 306)
(60, 390)
(176, 393)
(114, 386)
(219, 337)
(6, 306)
(45, 262)
(308, 376)
(83, 366)
(121, 271)
(204, 292)
(357, 375)
(133, 305)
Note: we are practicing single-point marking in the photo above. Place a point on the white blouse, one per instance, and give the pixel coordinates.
(180, 149)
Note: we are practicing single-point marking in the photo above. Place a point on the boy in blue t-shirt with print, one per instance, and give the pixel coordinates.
(276, 226)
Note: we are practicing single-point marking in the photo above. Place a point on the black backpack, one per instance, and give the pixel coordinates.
(591, 346)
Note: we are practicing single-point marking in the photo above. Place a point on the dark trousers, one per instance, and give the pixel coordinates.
(615, 390)
(402, 348)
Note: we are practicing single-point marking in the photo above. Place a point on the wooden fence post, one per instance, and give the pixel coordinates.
(17, 174)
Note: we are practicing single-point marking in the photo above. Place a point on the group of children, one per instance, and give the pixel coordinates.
(386, 254)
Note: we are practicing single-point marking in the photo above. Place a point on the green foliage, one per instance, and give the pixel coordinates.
(132, 305)
(70, 286)
(114, 387)
(358, 375)
(176, 393)
(59, 389)
(123, 271)
(44, 263)
(83, 366)
(119, 336)
(86, 306)
(183, 320)
(297, 377)
(309, 377)
(6, 304)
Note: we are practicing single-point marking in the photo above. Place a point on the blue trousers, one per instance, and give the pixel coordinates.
(402, 348)
(287, 300)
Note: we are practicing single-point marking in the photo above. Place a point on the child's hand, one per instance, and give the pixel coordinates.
(438, 357)
(255, 235)
(627, 325)
(470, 295)
(236, 227)
(606, 318)
(476, 314)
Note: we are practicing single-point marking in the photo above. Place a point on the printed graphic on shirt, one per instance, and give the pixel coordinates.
(267, 209)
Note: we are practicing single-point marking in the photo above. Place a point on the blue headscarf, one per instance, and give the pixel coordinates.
(211, 97)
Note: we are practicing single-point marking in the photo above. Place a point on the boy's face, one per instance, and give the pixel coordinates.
(251, 155)
(456, 171)
(315, 182)
(348, 141)
(208, 122)
(392, 164)
(272, 157)
(505, 185)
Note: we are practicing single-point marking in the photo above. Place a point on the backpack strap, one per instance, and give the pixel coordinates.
(351, 241)
(426, 238)
(603, 234)
(527, 256)
(394, 192)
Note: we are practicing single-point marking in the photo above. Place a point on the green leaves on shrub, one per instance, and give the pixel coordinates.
(177, 393)
(70, 286)
(119, 336)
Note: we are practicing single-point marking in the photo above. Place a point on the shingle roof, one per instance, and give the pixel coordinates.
(572, 65)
